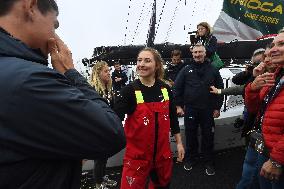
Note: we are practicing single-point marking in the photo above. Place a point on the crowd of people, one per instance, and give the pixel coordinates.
(52, 119)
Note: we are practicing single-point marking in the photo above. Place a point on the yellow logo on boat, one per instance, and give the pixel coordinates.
(259, 5)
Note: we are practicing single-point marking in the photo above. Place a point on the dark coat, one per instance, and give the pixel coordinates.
(49, 122)
(192, 86)
(172, 71)
(242, 78)
(119, 84)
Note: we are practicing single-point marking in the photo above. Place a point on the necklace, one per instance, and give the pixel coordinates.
(150, 84)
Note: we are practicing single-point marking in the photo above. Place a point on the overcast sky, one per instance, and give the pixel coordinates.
(87, 24)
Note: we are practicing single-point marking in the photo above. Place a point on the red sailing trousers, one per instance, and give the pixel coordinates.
(148, 152)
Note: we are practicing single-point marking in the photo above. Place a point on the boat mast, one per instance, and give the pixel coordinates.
(151, 32)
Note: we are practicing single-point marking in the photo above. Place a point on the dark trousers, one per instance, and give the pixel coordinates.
(99, 170)
(194, 118)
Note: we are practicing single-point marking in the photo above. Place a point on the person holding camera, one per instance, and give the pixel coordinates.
(119, 78)
(204, 36)
(243, 78)
(174, 68)
(246, 76)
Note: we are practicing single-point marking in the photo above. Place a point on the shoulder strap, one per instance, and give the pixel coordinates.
(165, 94)
(138, 93)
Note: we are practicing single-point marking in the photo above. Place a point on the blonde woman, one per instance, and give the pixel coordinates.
(101, 81)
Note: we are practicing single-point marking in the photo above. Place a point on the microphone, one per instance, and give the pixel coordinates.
(192, 32)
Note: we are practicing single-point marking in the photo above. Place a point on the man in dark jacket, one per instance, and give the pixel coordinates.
(119, 78)
(173, 69)
(50, 119)
(192, 91)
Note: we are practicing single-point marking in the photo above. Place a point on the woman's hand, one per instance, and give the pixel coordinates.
(258, 70)
(266, 79)
(270, 172)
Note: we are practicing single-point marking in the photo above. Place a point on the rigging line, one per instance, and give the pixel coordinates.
(152, 25)
(147, 16)
(190, 24)
(172, 20)
(126, 27)
(160, 17)
(138, 22)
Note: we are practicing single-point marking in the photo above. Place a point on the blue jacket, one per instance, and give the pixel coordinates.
(192, 86)
(49, 122)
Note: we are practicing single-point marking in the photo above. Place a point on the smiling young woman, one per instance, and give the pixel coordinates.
(151, 114)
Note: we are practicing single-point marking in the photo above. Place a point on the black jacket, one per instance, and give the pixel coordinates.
(243, 78)
(172, 71)
(192, 86)
(49, 122)
(119, 84)
(126, 101)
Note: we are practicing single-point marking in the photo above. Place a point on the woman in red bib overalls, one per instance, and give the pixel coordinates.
(151, 114)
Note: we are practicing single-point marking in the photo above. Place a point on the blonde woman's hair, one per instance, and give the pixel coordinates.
(159, 62)
(96, 81)
(207, 26)
(281, 31)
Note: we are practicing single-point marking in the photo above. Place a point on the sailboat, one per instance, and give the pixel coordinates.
(235, 54)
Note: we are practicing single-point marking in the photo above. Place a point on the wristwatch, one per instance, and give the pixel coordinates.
(275, 163)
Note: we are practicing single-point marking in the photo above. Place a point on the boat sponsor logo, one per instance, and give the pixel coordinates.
(263, 6)
(265, 16)
(130, 180)
(146, 121)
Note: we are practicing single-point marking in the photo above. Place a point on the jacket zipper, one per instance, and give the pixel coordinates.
(156, 136)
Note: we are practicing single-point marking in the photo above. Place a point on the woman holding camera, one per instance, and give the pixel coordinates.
(204, 36)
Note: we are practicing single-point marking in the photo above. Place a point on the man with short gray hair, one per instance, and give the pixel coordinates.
(199, 106)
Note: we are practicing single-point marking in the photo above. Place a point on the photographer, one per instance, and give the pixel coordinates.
(246, 76)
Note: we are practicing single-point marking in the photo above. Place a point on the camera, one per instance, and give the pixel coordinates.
(252, 65)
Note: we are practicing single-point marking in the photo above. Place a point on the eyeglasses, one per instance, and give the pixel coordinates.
(199, 29)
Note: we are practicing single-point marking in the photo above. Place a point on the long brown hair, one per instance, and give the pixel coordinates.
(159, 74)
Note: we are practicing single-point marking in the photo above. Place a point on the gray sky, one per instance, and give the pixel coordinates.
(87, 24)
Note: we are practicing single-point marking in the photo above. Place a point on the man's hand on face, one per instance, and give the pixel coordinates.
(61, 56)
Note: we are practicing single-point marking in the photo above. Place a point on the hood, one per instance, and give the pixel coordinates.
(12, 47)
